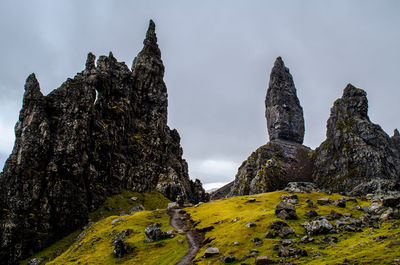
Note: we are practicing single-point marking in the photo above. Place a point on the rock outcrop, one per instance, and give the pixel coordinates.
(357, 155)
(282, 107)
(284, 159)
(100, 132)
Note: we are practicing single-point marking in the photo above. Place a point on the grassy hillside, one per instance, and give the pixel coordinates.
(356, 247)
(233, 238)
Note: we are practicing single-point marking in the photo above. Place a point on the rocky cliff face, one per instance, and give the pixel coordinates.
(284, 159)
(100, 132)
(357, 155)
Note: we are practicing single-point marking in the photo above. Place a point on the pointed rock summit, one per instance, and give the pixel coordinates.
(99, 133)
(357, 155)
(283, 159)
(283, 111)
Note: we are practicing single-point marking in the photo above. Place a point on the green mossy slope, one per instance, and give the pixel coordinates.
(357, 247)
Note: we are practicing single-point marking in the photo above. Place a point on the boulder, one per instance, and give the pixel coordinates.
(121, 248)
(210, 252)
(318, 227)
(153, 232)
(289, 210)
(263, 260)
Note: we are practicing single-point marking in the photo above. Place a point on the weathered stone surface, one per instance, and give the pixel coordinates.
(153, 232)
(121, 248)
(318, 227)
(283, 111)
(288, 208)
(263, 260)
(272, 167)
(210, 252)
(100, 132)
(356, 151)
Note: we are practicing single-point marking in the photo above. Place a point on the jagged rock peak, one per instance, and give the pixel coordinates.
(90, 61)
(150, 42)
(396, 132)
(356, 154)
(32, 90)
(283, 112)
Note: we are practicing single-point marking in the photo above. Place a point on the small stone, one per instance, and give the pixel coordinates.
(228, 259)
(251, 200)
(250, 224)
(323, 201)
(134, 198)
(121, 248)
(269, 234)
(117, 220)
(311, 214)
(277, 225)
(136, 208)
(263, 260)
(340, 202)
(335, 215)
(210, 252)
(257, 241)
(36, 261)
(236, 219)
(289, 197)
(286, 231)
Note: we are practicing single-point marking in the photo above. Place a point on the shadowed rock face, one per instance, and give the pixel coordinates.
(357, 155)
(100, 132)
(282, 107)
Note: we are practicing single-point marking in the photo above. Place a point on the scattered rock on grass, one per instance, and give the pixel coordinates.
(228, 259)
(290, 209)
(318, 227)
(121, 248)
(250, 224)
(210, 252)
(154, 232)
(263, 260)
(323, 201)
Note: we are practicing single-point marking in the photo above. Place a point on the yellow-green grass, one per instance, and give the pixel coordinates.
(114, 205)
(96, 246)
(220, 214)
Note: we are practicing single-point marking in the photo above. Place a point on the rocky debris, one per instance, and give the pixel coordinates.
(251, 200)
(323, 201)
(341, 202)
(335, 215)
(228, 259)
(263, 260)
(102, 131)
(121, 248)
(269, 234)
(286, 231)
(287, 197)
(357, 156)
(290, 252)
(36, 261)
(173, 205)
(278, 225)
(318, 227)
(311, 214)
(153, 232)
(257, 241)
(136, 208)
(250, 224)
(391, 201)
(306, 239)
(210, 252)
(286, 211)
(236, 219)
(282, 107)
(301, 187)
(121, 235)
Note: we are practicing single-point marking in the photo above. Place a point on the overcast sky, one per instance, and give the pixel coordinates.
(218, 56)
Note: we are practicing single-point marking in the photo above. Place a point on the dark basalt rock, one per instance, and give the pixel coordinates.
(357, 155)
(284, 159)
(100, 132)
(282, 107)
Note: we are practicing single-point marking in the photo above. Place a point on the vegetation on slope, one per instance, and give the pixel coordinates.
(235, 239)
(116, 205)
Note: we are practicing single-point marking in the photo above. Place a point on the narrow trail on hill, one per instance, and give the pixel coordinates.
(194, 239)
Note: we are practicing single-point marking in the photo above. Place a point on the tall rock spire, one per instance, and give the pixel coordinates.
(283, 112)
(148, 74)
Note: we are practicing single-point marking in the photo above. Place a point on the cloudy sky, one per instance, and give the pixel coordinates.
(218, 56)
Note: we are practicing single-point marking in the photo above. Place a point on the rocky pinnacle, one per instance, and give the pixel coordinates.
(283, 112)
